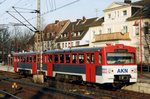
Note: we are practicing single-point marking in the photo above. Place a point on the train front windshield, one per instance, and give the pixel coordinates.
(120, 58)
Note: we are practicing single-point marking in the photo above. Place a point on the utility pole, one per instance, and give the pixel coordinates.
(39, 33)
(141, 51)
(39, 77)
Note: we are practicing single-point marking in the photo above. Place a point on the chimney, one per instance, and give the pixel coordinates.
(127, 1)
(56, 21)
(78, 21)
(83, 18)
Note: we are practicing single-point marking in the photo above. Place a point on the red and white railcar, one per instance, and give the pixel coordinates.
(103, 65)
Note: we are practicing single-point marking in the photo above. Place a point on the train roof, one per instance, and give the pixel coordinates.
(74, 50)
(25, 53)
(62, 51)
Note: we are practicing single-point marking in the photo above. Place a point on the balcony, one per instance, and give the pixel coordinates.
(111, 37)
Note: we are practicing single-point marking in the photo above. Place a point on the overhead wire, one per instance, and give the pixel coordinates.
(24, 18)
(22, 2)
(52, 6)
(20, 21)
(51, 3)
(24, 8)
(10, 8)
(52, 10)
(47, 5)
(2, 1)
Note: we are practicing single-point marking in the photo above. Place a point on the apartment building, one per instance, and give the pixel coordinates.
(120, 24)
(76, 34)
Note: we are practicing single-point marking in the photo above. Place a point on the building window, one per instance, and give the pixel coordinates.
(75, 34)
(58, 45)
(79, 33)
(100, 31)
(65, 44)
(69, 44)
(137, 30)
(125, 29)
(65, 35)
(62, 45)
(114, 14)
(93, 33)
(77, 43)
(109, 30)
(109, 15)
(48, 35)
(124, 12)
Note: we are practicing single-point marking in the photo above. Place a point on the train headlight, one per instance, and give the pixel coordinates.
(134, 70)
(110, 70)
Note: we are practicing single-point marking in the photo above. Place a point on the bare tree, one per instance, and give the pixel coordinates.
(4, 43)
(20, 39)
(147, 41)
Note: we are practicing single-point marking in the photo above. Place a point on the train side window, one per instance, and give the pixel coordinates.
(74, 58)
(30, 58)
(44, 58)
(22, 59)
(92, 58)
(100, 58)
(50, 58)
(61, 58)
(18, 59)
(34, 58)
(81, 58)
(88, 58)
(27, 58)
(67, 58)
(56, 58)
(38, 56)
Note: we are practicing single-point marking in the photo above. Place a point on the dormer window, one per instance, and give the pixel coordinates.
(65, 35)
(124, 12)
(109, 15)
(52, 34)
(48, 35)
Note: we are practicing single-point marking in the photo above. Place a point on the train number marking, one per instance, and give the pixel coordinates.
(122, 71)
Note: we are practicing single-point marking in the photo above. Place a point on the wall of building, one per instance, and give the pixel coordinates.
(115, 18)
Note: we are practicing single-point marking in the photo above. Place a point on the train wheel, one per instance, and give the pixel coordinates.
(116, 85)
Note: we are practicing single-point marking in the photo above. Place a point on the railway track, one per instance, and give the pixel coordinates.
(37, 90)
(73, 91)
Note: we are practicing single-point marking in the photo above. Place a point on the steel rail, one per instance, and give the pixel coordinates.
(46, 89)
(1, 91)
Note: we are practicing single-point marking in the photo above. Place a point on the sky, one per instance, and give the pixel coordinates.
(52, 10)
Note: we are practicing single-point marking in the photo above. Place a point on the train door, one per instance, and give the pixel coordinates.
(90, 67)
(15, 60)
(49, 65)
(34, 68)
